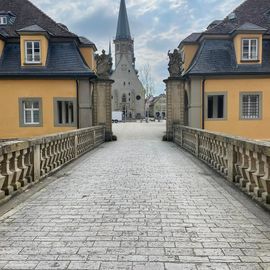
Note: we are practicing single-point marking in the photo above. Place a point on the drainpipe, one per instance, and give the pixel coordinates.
(203, 103)
(78, 108)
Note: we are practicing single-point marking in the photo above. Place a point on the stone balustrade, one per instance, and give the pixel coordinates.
(25, 162)
(244, 162)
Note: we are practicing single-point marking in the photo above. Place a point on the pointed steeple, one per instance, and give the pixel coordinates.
(123, 31)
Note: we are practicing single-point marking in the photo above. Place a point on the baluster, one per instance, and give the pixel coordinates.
(250, 171)
(2, 178)
(23, 167)
(266, 179)
(258, 174)
(7, 187)
(15, 170)
(238, 163)
(43, 159)
(243, 168)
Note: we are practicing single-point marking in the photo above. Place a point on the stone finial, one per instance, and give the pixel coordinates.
(175, 64)
(104, 65)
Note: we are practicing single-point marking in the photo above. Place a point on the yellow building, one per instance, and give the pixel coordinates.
(45, 73)
(226, 72)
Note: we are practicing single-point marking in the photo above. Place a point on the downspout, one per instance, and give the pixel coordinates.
(203, 104)
(78, 104)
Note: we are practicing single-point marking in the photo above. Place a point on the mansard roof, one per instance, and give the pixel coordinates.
(28, 15)
(123, 30)
(217, 57)
(63, 59)
(251, 11)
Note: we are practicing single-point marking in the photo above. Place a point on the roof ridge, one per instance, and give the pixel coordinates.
(48, 17)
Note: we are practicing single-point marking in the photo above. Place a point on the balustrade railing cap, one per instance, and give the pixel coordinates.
(249, 144)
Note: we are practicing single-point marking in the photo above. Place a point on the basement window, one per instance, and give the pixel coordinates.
(65, 112)
(216, 106)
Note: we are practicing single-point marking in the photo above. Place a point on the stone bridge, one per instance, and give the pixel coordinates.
(138, 203)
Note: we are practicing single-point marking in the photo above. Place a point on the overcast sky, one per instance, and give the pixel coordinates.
(156, 25)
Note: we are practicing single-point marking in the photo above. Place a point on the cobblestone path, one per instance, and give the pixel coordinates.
(136, 204)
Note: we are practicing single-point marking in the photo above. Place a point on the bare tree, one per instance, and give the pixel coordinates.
(147, 80)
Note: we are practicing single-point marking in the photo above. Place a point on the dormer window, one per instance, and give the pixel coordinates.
(3, 20)
(32, 52)
(250, 49)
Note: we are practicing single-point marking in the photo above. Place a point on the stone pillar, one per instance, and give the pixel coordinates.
(175, 88)
(102, 105)
(85, 89)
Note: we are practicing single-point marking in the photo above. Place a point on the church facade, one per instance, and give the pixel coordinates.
(128, 94)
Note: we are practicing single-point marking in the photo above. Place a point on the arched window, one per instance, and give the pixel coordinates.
(124, 98)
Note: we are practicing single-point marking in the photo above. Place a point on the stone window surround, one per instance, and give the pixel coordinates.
(21, 112)
(224, 93)
(55, 109)
(241, 105)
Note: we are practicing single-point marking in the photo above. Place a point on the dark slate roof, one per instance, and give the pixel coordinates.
(86, 42)
(217, 57)
(63, 59)
(123, 31)
(32, 28)
(250, 27)
(26, 15)
(253, 11)
(194, 37)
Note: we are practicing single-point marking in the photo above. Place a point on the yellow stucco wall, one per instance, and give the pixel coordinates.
(256, 129)
(2, 45)
(238, 47)
(88, 55)
(44, 47)
(189, 54)
(12, 90)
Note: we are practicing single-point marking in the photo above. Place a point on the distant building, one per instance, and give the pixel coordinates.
(128, 94)
(226, 74)
(45, 73)
(157, 107)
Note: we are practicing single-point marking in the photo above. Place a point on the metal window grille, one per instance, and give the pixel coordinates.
(251, 106)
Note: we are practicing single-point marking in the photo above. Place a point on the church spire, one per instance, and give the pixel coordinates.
(123, 31)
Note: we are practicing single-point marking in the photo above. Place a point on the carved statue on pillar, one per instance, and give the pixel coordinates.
(104, 65)
(175, 64)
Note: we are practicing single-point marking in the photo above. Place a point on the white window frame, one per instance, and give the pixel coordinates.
(33, 51)
(31, 110)
(3, 20)
(249, 49)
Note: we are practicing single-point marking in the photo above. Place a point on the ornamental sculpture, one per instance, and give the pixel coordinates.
(104, 65)
(175, 64)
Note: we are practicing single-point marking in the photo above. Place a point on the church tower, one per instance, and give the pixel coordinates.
(128, 94)
(124, 44)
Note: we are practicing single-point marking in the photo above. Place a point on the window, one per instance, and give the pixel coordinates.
(251, 105)
(250, 49)
(124, 98)
(32, 52)
(3, 20)
(216, 106)
(30, 112)
(138, 97)
(65, 111)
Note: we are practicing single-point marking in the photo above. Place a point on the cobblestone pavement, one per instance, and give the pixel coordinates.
(138, 204)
